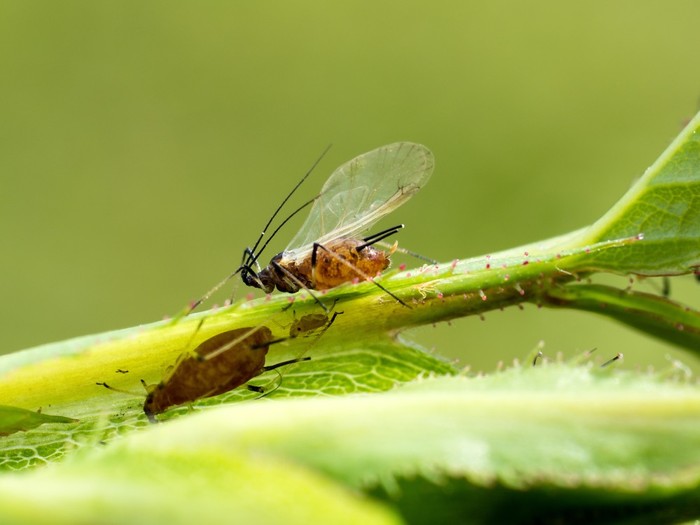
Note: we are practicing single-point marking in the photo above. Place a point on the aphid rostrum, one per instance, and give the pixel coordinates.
(328, 250)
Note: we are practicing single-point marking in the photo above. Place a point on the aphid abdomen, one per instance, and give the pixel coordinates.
(341, 263)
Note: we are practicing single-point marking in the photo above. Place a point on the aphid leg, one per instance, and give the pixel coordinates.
(196, 331)
(285, 363)
(342, 260)
(261, 389)
(207, 295)
(300, 284)
(328, 325)
(230, 344)
(121, 391)
(268, 368)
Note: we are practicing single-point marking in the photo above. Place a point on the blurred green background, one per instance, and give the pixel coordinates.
(144, 144)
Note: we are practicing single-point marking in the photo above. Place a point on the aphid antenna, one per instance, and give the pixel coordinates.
(248, 258)
(249, 254)
(145, 386)
(362, 274)
(120, 390)
(289, 195)
(252, 256)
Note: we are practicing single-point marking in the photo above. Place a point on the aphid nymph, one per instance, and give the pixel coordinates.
(310, 323)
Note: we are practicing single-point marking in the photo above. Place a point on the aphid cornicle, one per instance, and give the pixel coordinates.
(328, 250)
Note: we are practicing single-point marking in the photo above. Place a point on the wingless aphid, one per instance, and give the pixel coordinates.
(219, 364)
(224, 362)
(328, 250)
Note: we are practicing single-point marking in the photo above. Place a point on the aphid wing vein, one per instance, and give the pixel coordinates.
(362, 191)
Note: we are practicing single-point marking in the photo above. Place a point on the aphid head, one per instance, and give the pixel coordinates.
(262, 279)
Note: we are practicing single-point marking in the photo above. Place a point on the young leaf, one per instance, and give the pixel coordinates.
(664, 207)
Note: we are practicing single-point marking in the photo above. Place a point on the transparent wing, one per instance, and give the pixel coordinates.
(362, 191)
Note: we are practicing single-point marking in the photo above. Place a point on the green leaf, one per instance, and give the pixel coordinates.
(554, 442)
(208, 486)
(336, 368)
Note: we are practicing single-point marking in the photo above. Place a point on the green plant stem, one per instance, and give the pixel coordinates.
(655, 315)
